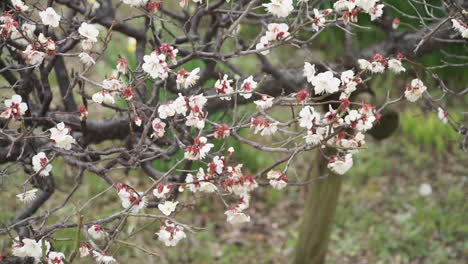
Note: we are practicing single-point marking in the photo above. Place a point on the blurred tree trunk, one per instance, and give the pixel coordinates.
(317, 220)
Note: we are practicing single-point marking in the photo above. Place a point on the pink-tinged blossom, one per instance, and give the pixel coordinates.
(154, 7)
(19, 5)
(349, 82)
(187, 79)
(85, 250)
(315, 135)
(263, 126)
(129, 197)
(122, 66)
(196, 120)
(171, 233)
(277, 179)
(221, 131)
(340, 165)
(55, 257)
(9, 25)
(41, 164)
(396, 23)
(352, 118)
(216, 166)
(461, 27)
(96, 232)
(113, 84)
(223, 87)
(302, 96)
(155, 65)
(137, 121)
(199, 149)
(376, 12)
(197, 102)
(230, 151)
(33, 56)
(158, 128)
(265, 102)
(414, 90)
(319, 20)
(162, 191)
(277, 31)
(238, 183)
(169, 51)
(247, 87)
(14, 108)
(263, 44)
(200, 182)
(443, 116)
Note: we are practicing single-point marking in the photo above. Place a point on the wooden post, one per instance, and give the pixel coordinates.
(319, 210)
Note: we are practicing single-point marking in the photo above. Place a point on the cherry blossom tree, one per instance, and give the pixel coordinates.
(156, 106)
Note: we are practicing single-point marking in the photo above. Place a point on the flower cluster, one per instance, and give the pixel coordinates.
(378, 64)
(277, 179)
(351, 9)
(28, 247)
(110, 88)
(156, 65)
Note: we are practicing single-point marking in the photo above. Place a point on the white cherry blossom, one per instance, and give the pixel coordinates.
(341, 165)
(49, 17)
(27, 196)
(280, 8)
(88, 31)
(414, 91)
(167, 207)
(325, 82)
(60, 135)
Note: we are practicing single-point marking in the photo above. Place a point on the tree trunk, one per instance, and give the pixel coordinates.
(314, 233)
